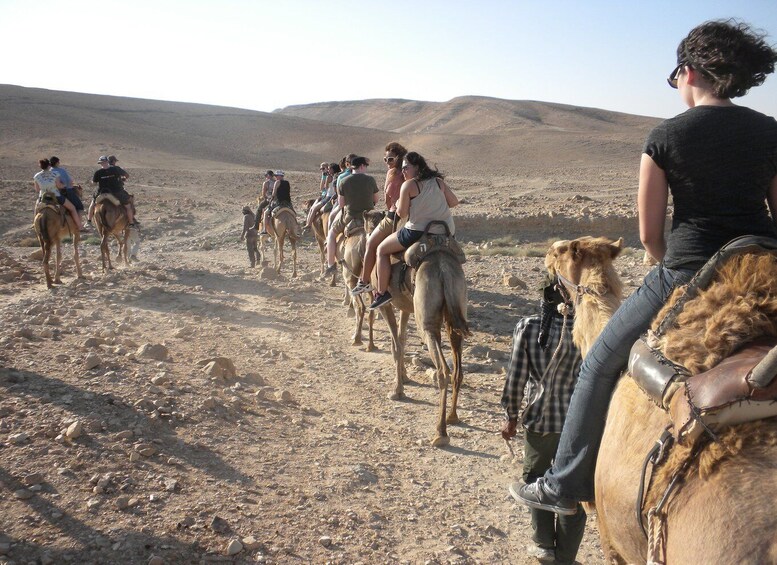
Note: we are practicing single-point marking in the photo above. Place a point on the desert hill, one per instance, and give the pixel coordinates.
(484, 136)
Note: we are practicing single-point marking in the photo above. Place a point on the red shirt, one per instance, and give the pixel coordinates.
(394, 182)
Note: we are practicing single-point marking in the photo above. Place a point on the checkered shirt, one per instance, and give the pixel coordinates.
(547, 405)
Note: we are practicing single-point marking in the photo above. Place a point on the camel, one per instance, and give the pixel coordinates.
(284, 224)
(439, 296)
(713, 517)
(51, 226)
(110, 219)
(319, 227)
(353, 245)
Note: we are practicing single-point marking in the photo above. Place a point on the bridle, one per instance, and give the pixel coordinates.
(573, 290)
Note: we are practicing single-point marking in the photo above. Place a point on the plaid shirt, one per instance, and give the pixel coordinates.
(547, 394)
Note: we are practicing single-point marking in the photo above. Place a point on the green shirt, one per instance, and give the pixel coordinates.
(358, 191)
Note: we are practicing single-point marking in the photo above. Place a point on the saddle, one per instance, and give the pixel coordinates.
(109, 197)
(739, 389)
(276, 213)
(433, 243)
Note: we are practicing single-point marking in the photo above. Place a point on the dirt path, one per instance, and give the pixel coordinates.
(300, 455)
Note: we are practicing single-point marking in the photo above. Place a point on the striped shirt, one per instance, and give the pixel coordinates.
(547, 391)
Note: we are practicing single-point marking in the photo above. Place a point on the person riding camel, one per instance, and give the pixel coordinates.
(109, 180)
(265, 196)
(358, 193)
(281, 197)
(69, 191)
(49, 183)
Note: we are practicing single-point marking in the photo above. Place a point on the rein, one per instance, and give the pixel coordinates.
(578, 289)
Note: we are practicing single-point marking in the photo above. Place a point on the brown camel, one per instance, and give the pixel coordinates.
(352, 246)
(713, 517)
(284, 224)
(110, 219)
(439, 297)
(51, 226)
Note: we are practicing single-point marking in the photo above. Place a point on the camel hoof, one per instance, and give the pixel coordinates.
(406, 379)
(370, 348)
(333, 283)
(57, 281)
(441, 441)
(452, 419)
(396, 396)
(356, 342)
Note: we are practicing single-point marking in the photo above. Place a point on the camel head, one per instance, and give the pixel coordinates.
(371, 219)
(308, 204)
(571, 257)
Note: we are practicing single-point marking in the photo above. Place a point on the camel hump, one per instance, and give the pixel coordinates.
(109, 197)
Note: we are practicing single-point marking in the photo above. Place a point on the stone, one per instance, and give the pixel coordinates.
(18, 439)
(74, 430)
(325, 541)
(156, 560)
(146, 449)
(23, 494)
(32, 479)
(219, 525)
(160, 379)
(220, 367)
(283, 396)
(134, 456)
(122, 502)
(512, 281)
(91, 361)
(250, 543)
(155, 351)
(233, 547)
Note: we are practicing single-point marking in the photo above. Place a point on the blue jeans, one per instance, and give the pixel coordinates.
(572, 474)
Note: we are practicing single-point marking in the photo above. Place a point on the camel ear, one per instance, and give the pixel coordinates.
(616, 247)
(575, 250)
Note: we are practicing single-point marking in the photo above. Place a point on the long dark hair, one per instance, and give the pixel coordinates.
(44, 164)
(424, 170)
(730, 55)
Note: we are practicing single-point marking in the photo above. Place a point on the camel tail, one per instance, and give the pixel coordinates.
(455, 292)
(40, 227)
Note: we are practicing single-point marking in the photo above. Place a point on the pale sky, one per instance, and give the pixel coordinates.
(268, 54)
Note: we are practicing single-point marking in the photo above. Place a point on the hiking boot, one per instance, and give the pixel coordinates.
(330, 270)
(538, 495)
(381, 300)
(361, 287)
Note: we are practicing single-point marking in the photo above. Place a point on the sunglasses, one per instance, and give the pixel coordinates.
(389, 160)
(675, 74)
(405, 167)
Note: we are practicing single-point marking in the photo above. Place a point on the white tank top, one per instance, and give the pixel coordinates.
(430, 205)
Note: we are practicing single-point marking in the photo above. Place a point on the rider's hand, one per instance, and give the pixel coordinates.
(509, 429)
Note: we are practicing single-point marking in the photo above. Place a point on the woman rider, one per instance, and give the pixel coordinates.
(719, 162)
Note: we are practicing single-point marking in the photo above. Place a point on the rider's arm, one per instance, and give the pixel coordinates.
(405, 192)
(450, 197)
(771, 199)
(652, 199)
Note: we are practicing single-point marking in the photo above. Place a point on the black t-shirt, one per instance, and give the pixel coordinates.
(283, 193)
(109, 179)
(719, 162)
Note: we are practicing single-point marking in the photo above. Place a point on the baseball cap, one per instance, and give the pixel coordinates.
(102, 159)
(279, 173)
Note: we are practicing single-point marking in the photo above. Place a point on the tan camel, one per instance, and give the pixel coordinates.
(319, 228)
(352, 246)
(714, 516)
(110, 219)
(439, 297)
(52, 225)
(284, 224)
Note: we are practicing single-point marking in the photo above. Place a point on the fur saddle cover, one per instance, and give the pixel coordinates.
(277, 212)
(51, 203)
(433, 243)
(735, 391)
(109, 197)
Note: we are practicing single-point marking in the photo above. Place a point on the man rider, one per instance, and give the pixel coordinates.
(109, 181)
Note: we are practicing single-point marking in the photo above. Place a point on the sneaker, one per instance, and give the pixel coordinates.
(538, 495)
(542, 554)
(381, 300)
(331, 270)
(361, 287)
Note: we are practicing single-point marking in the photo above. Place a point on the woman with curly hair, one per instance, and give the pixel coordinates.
(718, 160)
(423, 197)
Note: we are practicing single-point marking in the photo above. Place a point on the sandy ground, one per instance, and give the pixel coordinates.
(118, 446)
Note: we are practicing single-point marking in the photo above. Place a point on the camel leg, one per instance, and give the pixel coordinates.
(105, 252)
(370, 327)
(458, 375)
(124, 246)
(358, 304)
(46, 247)
(294, 258)
(279, 237)
(404, 317)
(76, 257)
(435, 350)
(397, 350)
(58, 264)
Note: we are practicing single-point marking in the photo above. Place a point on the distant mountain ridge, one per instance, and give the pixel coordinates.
(466, 115)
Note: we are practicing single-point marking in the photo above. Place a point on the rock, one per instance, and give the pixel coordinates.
(134, 456)
(250, 543)
(23, 494)
(325, 541)
(268, 274)
(91, 361)
(18, 439)
(93, 342)
(219, 525)
(233, 547)
(512, 281)
(156, 560)
(146, 449)
(122, 502)
(161, 379)
(74, 430)
(32, 479)
(170, 485)
(155, 351)
(283, 396)
(36, 255)
(220, 367)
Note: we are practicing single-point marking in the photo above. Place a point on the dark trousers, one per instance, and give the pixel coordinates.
(562, 533)
(253, 250)
(259, 212)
